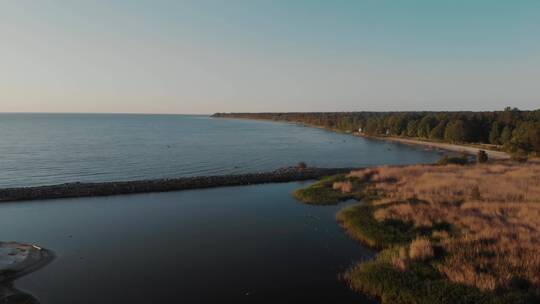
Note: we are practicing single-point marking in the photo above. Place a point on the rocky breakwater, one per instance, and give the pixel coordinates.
(282, 175)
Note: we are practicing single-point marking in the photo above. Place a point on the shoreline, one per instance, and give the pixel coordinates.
(492, 154)
(468, 149)
(74, 190)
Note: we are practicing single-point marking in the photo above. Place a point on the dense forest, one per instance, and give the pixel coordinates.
(512, 129)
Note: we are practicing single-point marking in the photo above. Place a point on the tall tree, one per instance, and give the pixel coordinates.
(456, 131)
(506, 135)
(426, 124)
(495, 133)
(438, 132)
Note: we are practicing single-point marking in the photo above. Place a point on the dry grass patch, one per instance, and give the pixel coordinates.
(421, 249)
(345, 187)
(494, 210)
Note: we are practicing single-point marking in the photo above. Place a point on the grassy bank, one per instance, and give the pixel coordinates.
(447, 234)
(322, 192)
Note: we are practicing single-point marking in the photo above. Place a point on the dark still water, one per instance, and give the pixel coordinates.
(44, 149)
(250, 244)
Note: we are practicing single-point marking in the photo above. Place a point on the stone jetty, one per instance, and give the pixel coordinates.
(71, 190)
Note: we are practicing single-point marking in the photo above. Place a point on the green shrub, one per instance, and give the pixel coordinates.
(481, 156)
(520, 157)
(360, 224)
(456, 160)
(421, 283)
(323, 193)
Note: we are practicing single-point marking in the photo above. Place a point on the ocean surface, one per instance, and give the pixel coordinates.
(45, 149)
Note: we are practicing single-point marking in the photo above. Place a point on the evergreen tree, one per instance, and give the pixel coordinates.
(426, 124)
(456, 132)
(438, 132)
(412, 128)
(506, 135)
(495, 133)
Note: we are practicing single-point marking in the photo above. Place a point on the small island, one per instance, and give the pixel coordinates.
(18, 259)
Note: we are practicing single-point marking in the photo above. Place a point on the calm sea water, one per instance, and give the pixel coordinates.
(44, 149)
(250, 244)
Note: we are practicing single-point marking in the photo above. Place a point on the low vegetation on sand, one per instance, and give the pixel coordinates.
(329, 191)
(447, 233)
(456, 160)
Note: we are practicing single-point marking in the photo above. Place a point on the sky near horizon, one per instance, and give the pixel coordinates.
(282, 55)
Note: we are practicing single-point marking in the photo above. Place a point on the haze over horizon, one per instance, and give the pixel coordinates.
(268, 56)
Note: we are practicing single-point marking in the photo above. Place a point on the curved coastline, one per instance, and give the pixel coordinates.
(71, 190)
(467, 149)
(470, 149)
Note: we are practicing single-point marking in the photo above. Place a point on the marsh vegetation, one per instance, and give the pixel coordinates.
(447, 233)
(329, 190)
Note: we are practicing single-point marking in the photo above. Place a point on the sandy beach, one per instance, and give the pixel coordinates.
(499, 155)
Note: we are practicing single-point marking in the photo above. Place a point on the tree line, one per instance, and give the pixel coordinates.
(512, 129)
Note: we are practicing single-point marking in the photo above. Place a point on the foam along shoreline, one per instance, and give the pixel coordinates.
(71, 190)
(499, 155)
(18, 259)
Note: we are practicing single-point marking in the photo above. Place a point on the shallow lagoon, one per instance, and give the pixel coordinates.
(250, 244)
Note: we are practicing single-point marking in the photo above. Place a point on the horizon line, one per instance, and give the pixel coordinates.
(250, 112)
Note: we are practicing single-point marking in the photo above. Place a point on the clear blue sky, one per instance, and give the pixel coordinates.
(208, 56)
